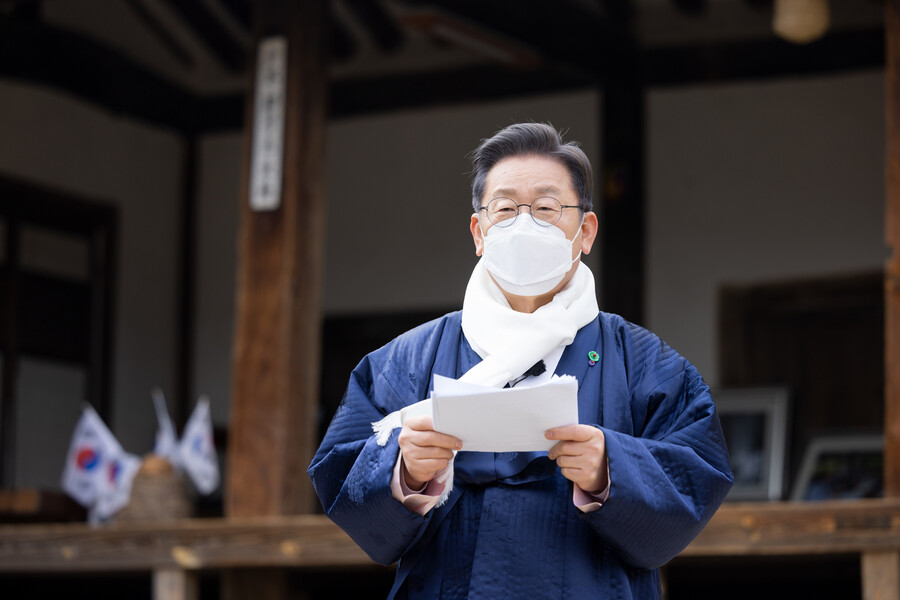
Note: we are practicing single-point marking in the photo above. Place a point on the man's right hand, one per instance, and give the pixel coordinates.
(425, 451)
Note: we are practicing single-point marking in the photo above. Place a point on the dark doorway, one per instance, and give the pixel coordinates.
(57, 266)
(823, 338)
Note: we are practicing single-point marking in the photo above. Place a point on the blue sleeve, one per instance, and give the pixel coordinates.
(351, 473)
(669, 477)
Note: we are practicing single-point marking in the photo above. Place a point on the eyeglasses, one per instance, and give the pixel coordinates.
(545, 211)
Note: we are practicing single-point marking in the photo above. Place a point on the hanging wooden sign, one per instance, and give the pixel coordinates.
(266, 162)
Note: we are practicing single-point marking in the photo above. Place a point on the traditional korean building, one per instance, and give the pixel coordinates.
(747, 176)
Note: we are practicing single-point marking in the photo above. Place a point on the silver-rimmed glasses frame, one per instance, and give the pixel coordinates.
(545, 210)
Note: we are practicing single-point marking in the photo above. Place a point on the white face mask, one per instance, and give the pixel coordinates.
(527, 259)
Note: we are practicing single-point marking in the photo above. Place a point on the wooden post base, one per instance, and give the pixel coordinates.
(175, 584)
(880, 574)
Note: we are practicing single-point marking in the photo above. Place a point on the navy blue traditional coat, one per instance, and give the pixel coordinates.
(509, 529)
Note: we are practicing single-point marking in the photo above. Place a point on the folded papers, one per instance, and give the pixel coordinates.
(489, 419)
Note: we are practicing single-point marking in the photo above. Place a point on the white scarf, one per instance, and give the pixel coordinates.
(509, 342)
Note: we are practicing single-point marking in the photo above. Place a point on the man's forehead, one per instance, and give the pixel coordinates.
(528, 175)
(548, 189)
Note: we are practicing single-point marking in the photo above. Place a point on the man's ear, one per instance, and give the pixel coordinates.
(477, 236)
(589, 229)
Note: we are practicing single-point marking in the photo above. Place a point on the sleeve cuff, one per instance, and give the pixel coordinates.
(418, 501)
(587, 502)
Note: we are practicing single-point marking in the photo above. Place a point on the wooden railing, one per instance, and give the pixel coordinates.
(175, 551)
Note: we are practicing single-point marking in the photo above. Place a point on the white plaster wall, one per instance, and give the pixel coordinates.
(46, 413)
(218, 203)
(399, 199)
(58, 141)
(755, 182)
(398, 215)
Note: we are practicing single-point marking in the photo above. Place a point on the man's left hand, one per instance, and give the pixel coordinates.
(581, 456)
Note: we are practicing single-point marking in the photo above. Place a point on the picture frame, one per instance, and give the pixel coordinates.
(840, 467)
(755, 424)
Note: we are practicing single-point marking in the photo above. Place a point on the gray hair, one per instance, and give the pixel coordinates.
(535, 139)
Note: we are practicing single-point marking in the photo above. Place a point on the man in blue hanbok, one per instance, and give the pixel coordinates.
(617, 496)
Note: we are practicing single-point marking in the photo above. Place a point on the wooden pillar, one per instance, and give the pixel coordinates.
(622, 197)
(10, 360)
(182, 402)
(277, 334)
(892, 269)
(275, 387)
(881, 569)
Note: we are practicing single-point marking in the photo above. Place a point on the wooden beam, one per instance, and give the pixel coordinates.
(343, 45)
(51, 56)
(575, 40)
(445, 87)
(378, 23)
(763, 59)
(406, 91)
(312, 541)
(239, 10)
(795, 528)
(297, 541)
(275, 391)
(692, 8)
(162, 34)
(221, 43)
(892, 268)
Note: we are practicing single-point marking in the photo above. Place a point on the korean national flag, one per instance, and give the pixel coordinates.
(98, 472)
(115, 490)
(198, 454)
(166, 444)
(90, 451)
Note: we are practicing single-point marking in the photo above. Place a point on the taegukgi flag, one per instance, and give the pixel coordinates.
(198, 453)
(98, 472)
(166, 443)
(115, 487)
(90, 451)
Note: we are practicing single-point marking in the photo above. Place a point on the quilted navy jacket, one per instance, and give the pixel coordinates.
(509, 528)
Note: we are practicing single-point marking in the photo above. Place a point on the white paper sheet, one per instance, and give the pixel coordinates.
(504, 420)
